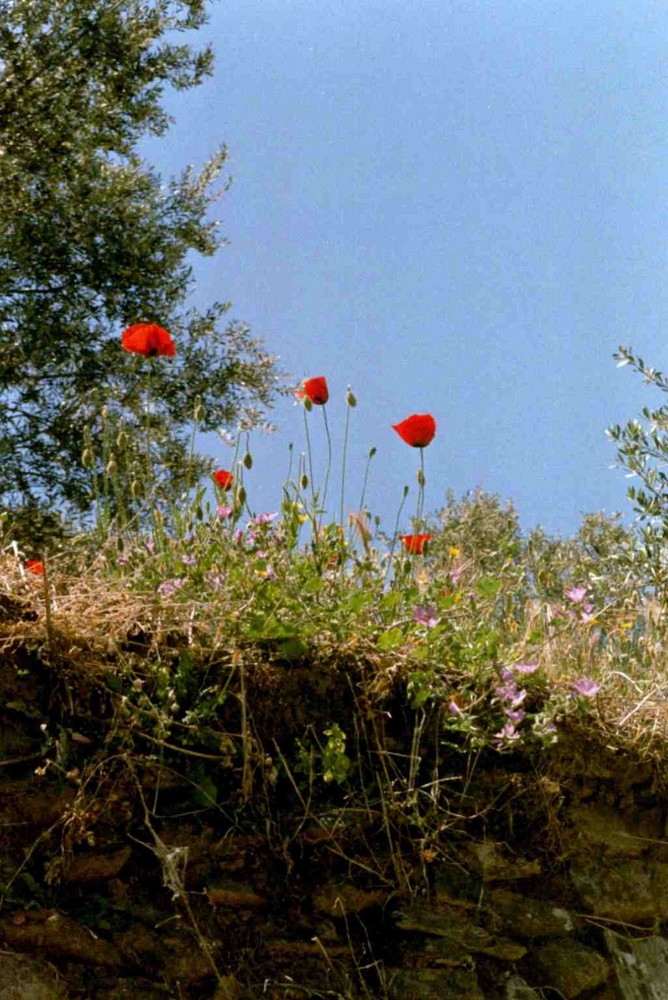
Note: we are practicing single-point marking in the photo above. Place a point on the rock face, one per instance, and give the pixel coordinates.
(123, 880)
(641, 966)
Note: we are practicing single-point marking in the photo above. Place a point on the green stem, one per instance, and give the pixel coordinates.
(329, 457)
(343, 466)
(372, 452)
(309, 453)
(147, 431)
(395, 534)
(420, 496)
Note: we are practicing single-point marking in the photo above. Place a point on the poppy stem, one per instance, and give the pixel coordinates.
(329, 456)
(420, 496)
(365, 481)
(310, 472)
(147, 430)
(395, 534)
(343, 465)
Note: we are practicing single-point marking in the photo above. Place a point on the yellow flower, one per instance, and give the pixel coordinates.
(453, 552)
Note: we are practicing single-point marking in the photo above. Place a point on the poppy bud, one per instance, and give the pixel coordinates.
(111, 467)
(308, 405)
(304, 481)
(121, 439)
(372, 452)
(248, 460)
(420, 477)
(350, 397)
(241, 495)
(104, 412)
(199, 411)
(87, 458)
(406, 490)
(135, 488)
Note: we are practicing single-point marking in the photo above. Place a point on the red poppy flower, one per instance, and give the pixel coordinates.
(224, 479)
(417, 430)
(415, 543)
(314, 389)
(147, 339)
(35, 566)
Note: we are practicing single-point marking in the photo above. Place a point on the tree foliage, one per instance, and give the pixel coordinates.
(91, 239)
(642, 449)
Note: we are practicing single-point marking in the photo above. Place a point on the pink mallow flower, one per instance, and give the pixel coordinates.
(515, 715)
(575, 594)
(426, 615)
(585, 687)
(170, 587)
(524, 668)
(506, 734)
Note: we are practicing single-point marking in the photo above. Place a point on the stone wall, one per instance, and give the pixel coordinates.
(119, 881)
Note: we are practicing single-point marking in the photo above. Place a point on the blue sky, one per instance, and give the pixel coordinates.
(456, 206)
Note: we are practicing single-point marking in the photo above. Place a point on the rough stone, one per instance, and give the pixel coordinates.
(435, 984)
(236, 897)
(517, 989)
(571, 967)
(641, 966)
(495, 865)
(629, 890)
(600, 827)
(461, 933)
(55, 934)
(338, 900)
(23, 978)
(526, 917)
(96, 867)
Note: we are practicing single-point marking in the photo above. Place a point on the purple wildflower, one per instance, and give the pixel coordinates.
(575, 594)
(507, 675)
(454, 709)
(506, 734)
(223, 512)
(515, 715)
(188, 560)
(262, 519)
(511, 694)
(215, 579)
(524, 668)
(150, 545)
(586, 687)
(169, 587)
(426, 615)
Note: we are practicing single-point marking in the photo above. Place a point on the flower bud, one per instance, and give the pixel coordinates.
(121, 439)
(111, 467)
(248, 460)
(350, 397)
(87, 458)
(308, 405)
(372, 452)
(304, 481)
(420, 477)
(406, 489)
(135, 488)
(241, 496)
